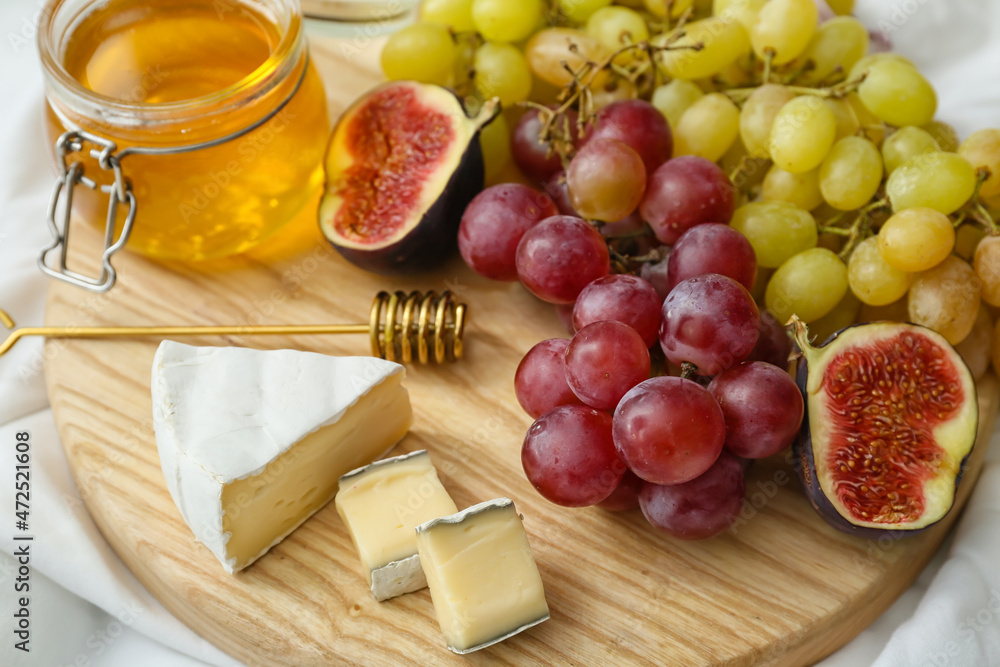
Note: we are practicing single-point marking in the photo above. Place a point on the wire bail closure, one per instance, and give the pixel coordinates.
(72, 175)
(120, 192)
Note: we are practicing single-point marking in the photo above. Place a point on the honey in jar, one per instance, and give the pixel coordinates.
(169, 74)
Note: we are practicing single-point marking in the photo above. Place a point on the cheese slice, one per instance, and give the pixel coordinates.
(381, 505)
(253, 442)
(483, 579)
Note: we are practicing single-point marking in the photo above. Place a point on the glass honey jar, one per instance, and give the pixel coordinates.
(190, 129)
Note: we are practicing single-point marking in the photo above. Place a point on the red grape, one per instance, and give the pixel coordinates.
(494, 223)
(656, 275)
(622, 298)
(684, 192)
(638, 124)
(710, 321)
(556, 188)
(529, 153)
(626, 496)
(603, 361)
(669, 430)
(606, 180)
(570, 458)
(560, 256)
(774, 345)
(762, 406)
(540, 380)
(712, 248)
(701, 508)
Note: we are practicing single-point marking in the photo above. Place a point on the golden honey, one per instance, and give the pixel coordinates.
(173, 73)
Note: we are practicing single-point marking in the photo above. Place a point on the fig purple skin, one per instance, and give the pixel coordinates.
(427, 236)
(804, 461)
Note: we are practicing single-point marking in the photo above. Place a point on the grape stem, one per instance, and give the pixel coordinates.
(861, 228)
(768, 57)
(577, 93)
(975, 209)
(688, 370)
(836, 91)
(627, 261)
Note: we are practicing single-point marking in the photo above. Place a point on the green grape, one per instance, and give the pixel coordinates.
(658, 8)
(872, 279)
(944, 134)
(616, 27)
(898, 94)
(837, 45)
(809, 285)
(674, 98)
(946, 299)
(784, 28)
(941, 181)
(904, 144)
(744, 11)
(843, 114)
(722, 43)
(850, 173)
(581, 10)
(841, 7)
(777, 230)
(757, 117)
(708, 128)
(987, 266)
(803, 133)
(916, 239)
(423, 52)
(799, 189)
(863, 64)
(506, 20)
(501, 71)
(457, 14)
(495, 142)
(982, 149)
(872, 127)
(967, 238)
(844, 314)
(549, 48)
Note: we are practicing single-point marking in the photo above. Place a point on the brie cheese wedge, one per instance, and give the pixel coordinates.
(484, 583)
(252, 442)
(381, 505)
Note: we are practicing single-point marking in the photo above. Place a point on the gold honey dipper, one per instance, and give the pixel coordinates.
(411, 320)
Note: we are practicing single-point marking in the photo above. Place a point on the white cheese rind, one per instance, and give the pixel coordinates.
(398, 578)
(223, 414)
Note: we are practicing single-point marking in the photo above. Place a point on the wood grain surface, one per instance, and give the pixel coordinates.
(780, 588)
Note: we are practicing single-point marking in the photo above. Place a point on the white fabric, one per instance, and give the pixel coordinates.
(87, 608)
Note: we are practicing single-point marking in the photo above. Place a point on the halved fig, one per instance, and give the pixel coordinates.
(891, 417)
(402, 164)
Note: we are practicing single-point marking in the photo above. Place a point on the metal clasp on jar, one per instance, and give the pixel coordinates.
(71, 175)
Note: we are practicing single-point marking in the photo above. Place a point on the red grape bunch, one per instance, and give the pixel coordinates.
(672, 376)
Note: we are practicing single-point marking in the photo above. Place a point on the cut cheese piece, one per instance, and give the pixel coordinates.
(253, 442)
(381, 505)
(483, 579)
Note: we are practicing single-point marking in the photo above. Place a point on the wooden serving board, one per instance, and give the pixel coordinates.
(780, 588)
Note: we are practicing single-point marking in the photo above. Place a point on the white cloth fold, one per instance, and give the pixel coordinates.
(87, 608)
